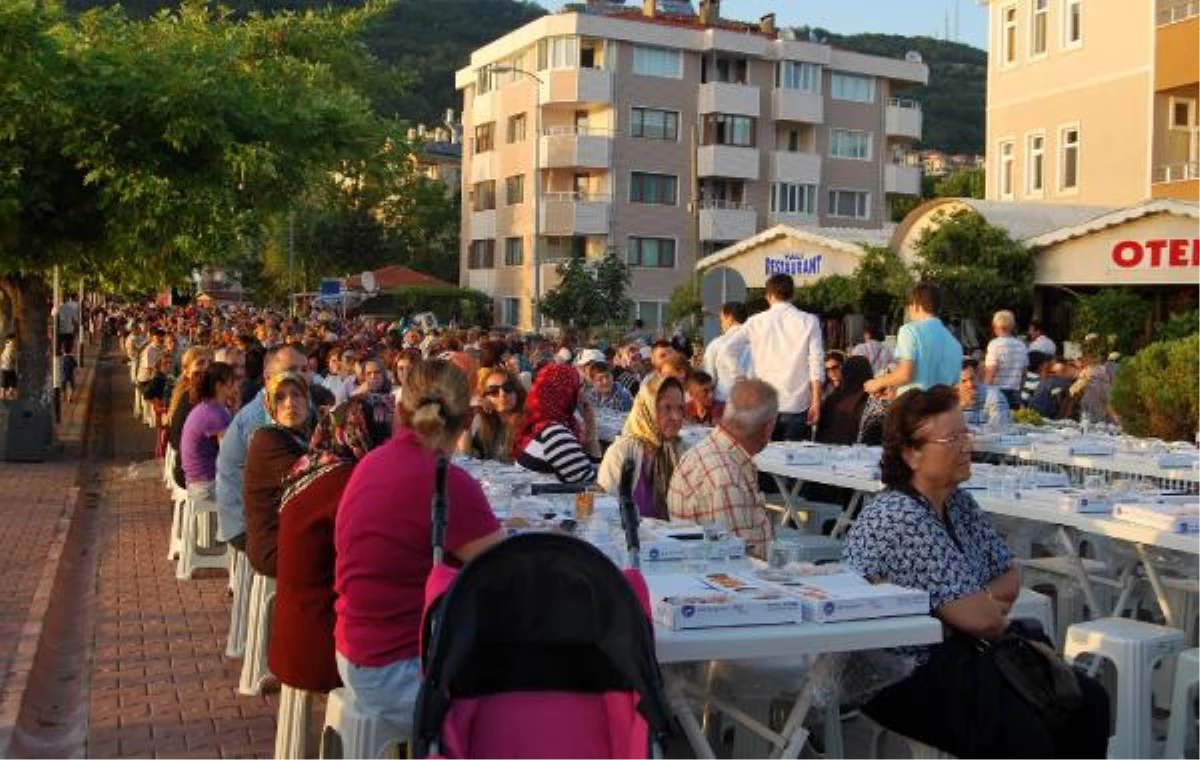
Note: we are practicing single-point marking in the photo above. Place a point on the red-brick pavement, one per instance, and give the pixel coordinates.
(160, 683)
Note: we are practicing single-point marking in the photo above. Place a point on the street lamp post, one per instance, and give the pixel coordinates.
(536, 304)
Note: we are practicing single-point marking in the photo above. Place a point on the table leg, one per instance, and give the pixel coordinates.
(682, 710)
(1067, 540)
(790, 495)
(846, 518)
(823, 667)
(1164, 603)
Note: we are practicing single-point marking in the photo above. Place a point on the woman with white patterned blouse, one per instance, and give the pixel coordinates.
(925, 532)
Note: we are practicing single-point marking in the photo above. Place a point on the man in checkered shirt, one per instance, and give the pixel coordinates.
(1006, 359)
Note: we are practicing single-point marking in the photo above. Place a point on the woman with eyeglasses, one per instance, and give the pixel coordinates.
(833, 371)
(498, 418)
(925, 532)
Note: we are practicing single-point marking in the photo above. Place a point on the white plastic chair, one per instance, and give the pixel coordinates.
(1133, 648)
(255, 671)
(192, 554)
(1187, 681)
(349, 733)
(294, 727)
(1039, 607)
(242, 577)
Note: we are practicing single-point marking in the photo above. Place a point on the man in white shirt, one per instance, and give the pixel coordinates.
(874, 350)
(1038, 340)
(727, 358)
(787, 351)
(1006, 359)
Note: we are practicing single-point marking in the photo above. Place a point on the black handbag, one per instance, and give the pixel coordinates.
(1036, 673)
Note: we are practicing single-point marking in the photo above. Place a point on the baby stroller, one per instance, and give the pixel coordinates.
(539, 648)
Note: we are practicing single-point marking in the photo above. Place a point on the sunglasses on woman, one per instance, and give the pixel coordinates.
(496, 390)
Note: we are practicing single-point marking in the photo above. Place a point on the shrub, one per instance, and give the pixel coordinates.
(1157, 392)
(1112, 311)
(1179, 325)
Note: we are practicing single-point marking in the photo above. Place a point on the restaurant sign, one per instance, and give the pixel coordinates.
(795, 264)
(1158, 253)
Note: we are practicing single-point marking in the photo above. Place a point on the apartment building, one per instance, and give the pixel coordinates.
(665, 136)
(1092, 102)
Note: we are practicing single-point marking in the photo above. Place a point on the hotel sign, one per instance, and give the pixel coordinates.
(795, 264)
(1157, 253)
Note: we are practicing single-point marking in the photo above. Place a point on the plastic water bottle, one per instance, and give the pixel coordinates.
(1085, 423)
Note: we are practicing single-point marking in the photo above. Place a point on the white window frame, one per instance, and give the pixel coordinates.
(1006, 168)
(832, 207)
(641, 51)
(794, 191)
(659, 309)
(795, 71)
(1062, 158)
(1067, 42)
(1008, 53)
(1175, 100)
(866, 137)
(510, 311)
(674, 251)
(512, 135)
(835, 94)
(1034, 14)
(1030, 155)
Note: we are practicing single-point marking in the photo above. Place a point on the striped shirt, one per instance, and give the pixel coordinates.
(555, 451)
(1010, 357)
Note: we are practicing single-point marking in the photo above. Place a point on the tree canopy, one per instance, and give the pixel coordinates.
(589, 294)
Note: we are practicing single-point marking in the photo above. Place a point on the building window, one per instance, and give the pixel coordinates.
(1008, 35)
(484, 138)
(728, 70)
(1068, 163)
(661, 189)
(793, 198)
(798, 75)
(1072, 23)
(1182, 113)
(850, 204)
(1005, 179)
(482, 254)
(514, 189)
(650, 312)
(852, 87)
(657, 62)
(654, 124)
(483, 81)
(561, 52)
(484, 196)
(514, 251)
(558, 248)
(651, 253)
(516, 128)
(850, 143)
(1035, 164)
(728, 129)
(1039, 14)
(510, 312)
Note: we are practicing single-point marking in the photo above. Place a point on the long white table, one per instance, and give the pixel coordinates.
(1057, 453)
(822, 641)
(773, 461)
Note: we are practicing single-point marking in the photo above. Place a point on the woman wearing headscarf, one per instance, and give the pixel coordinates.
(651, 439)
(301, 653)
(842, 409)
(274, 449)
(551, 440)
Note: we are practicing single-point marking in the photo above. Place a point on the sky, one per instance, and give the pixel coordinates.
(930, 18)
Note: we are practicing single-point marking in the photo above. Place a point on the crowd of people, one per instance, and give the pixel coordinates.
(316, 441)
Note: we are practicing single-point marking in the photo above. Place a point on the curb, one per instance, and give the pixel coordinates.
(16, 678)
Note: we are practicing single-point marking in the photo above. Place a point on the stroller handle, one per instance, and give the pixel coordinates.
(439, 508)
(629, 513)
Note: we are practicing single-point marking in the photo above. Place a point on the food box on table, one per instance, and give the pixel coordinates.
(718, 600)
(1178, 460)
(669, 541)
(1090, 448)
(1172, 513)
(848, 596)
(1076, 500)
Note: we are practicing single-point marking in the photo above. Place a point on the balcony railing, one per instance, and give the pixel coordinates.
(578, 131)
(574, 196)
(1174, 12)
(724, 205)
(1182, 172)
(903, 103)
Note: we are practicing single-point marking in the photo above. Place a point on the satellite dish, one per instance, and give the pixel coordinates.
(368, 282)
(913, 56)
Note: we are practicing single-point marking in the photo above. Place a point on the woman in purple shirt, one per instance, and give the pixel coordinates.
(202, 432)
(651, 440)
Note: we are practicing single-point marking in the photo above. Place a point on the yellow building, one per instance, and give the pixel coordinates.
(1092, 102)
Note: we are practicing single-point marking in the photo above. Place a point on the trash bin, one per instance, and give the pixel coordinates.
(25, 431)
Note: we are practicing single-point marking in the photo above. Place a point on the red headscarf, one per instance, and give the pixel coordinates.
(552, 400)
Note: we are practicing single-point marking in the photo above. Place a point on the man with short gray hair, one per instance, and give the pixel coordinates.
(1006, 359)
(716, 481)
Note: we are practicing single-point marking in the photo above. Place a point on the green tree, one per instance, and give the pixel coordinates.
(961, 183)
(979, 268)
(576, 300)
(686, 303)
(1119, 315)
(612, 281)
(832, 295)
(882, 283)
(1157, 392)
(133, 151)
